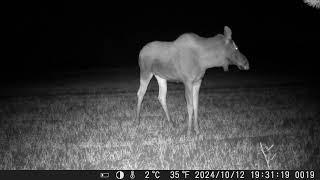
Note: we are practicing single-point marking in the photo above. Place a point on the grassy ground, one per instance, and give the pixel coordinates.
(243, 126)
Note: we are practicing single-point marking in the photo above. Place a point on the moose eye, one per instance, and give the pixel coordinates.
(235, 46)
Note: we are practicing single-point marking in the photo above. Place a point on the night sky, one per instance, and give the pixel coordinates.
(47, 38)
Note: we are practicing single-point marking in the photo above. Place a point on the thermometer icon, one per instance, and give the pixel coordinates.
(132, 176)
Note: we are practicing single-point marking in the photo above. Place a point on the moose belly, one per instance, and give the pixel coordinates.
(166, 70)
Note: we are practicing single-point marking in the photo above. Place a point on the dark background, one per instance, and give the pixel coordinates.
(46, 39)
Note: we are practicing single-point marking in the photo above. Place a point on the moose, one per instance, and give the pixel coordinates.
(186, 60)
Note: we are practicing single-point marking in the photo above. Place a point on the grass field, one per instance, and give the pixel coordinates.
(246, 122)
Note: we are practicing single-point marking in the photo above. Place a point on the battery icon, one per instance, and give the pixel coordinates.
(104, 175)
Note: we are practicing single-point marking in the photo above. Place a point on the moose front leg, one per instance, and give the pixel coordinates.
(196, 88)
(189, 99)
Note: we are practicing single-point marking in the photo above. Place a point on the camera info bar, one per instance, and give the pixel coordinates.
(162, 174)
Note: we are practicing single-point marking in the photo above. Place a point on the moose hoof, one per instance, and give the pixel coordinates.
(189, 133)
(197, 130)
(138, 122)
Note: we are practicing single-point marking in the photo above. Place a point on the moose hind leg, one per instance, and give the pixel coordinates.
(144, 82)
(163, 96)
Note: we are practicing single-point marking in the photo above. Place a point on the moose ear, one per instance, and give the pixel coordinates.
(227, 33)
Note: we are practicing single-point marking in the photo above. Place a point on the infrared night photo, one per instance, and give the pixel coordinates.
(161, 86)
